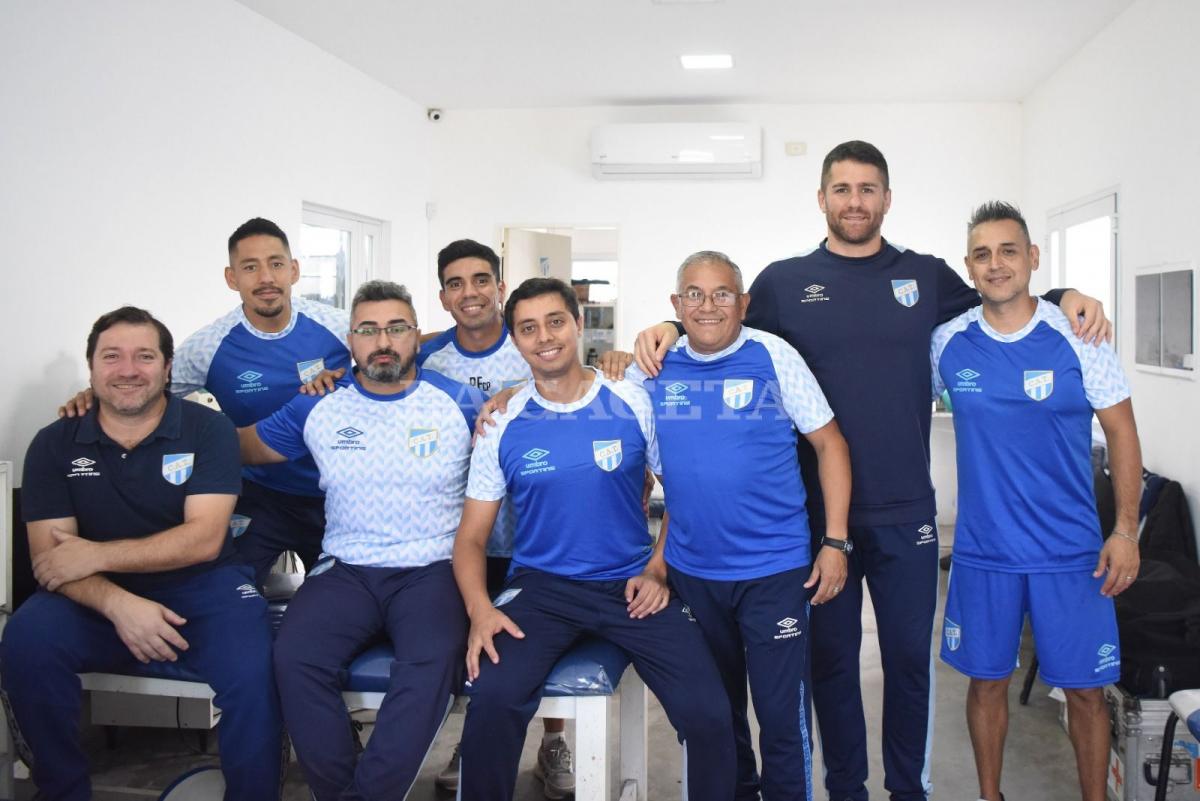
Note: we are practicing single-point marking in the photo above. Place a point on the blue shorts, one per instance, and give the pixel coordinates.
(1074, 626)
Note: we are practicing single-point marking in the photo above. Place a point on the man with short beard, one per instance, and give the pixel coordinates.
(253, 360)
(393, 447)
(127, 509)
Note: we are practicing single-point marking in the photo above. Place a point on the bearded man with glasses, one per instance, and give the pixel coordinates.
(393, 448)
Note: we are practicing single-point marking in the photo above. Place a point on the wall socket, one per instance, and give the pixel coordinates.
(795, 148)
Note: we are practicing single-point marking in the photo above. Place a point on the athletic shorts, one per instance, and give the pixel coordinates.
(1074, 626)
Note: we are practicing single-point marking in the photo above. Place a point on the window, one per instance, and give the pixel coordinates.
(1165, 309)
(1083, 250)
(338, 251)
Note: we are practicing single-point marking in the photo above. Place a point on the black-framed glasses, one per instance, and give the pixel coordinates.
(722, 297)
(393, 331)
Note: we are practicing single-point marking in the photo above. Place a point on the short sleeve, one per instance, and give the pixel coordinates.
(486, 480)
(1104, 381)
(763, 312)
(283, 431)
(937, 344)
(954, 295)
(44, 493)
(189, 368)
(803, 399)
(217, 468)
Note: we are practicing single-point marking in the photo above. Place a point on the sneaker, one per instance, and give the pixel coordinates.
(554, 769)
(447, 779)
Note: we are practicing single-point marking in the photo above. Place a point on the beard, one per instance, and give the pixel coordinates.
(861, 237)
(392, 372)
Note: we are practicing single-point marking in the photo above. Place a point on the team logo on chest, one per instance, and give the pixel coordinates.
(422, 441)
(310, 369)
(737, 392)
(606, 453)
(1039, 384)
(906, 292)
(177, 467)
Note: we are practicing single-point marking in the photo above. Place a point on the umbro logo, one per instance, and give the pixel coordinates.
(1106, 649)
(925, 529)
(349, 432)
(787, 628)
(83, 462)
(250, 376)
(534, 454)
(813, 289)
(676, 388)
(967, 374)
(787, 622)
(816, 292)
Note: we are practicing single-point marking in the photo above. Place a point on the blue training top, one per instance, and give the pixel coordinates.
(73, 469)
(393, 467)
(575, 473)
(726, 426)
(1022, 416)
(251, 374)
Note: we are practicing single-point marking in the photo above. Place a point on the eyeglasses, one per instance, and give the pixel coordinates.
(393, 331)
(694, 297)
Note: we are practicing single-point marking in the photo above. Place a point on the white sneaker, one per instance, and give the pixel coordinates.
(554, 769)
(447, 779)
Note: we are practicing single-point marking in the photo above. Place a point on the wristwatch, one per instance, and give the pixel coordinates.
(845, 546)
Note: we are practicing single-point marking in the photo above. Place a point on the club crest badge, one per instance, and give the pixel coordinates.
(737, 392)
(606, 453)
(422, 442)
(177, 467)
(953, 634)
(310, 369)
(1039, 384)
(906, 292)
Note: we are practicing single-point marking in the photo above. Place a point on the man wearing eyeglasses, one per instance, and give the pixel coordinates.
(728, 404)
(393, 447)
(252, 360)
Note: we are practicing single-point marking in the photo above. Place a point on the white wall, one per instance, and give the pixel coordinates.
(532, 167)
(1125, 111)
(137, 136)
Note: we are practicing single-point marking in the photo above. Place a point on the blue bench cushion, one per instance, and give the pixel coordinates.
(591, 667)
(1186, 704)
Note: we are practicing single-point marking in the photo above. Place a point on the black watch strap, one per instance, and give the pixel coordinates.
(845, 546)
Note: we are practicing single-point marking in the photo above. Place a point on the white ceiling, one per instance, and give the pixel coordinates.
(536, 53)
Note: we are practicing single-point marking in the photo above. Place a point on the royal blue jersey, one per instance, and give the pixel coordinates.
(252, 373)
(393, 467)
(1023, 405)
(575, 473)
(727, 427)
(490, 370)
(863, 327)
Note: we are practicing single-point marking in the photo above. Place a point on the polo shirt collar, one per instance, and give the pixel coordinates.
(169, 427)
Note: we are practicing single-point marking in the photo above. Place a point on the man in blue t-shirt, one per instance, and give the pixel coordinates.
(393, 448)
(127, 509)
(860, 310)
(571, 451)
(1028, 538)
(253, 360)
(727, 406)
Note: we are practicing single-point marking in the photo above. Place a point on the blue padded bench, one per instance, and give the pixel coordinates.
(581, 686)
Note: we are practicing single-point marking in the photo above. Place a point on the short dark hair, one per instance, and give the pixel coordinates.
(373, 291)
(257, 227)
(995, 211)
(466, 249)
(536, 287)
(855, 150)
(133, 316)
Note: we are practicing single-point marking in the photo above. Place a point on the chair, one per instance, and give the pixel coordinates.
(1185, 706)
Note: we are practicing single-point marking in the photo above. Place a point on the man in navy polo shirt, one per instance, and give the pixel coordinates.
(127, 509)
(252, 360)
(571, 450)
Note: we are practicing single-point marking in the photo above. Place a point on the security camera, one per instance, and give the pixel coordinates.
(434, 114)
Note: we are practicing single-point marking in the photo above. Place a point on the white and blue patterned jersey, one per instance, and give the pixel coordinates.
(499, 367)
(1023, 406)
(727, 426)
(252, 373)
(393, 467)
(575, 473)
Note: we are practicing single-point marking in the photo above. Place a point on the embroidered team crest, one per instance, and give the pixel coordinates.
(238, 525)
(906, 292)
(737, 392)
(177, 467)
(423, 441)
(607, 454)
(953, 634)
(1039, 384)
(310, 369)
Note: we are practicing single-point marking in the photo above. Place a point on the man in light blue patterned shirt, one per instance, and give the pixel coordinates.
(393, 448)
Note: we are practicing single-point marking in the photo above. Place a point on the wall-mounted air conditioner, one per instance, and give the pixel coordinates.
(677, 150)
